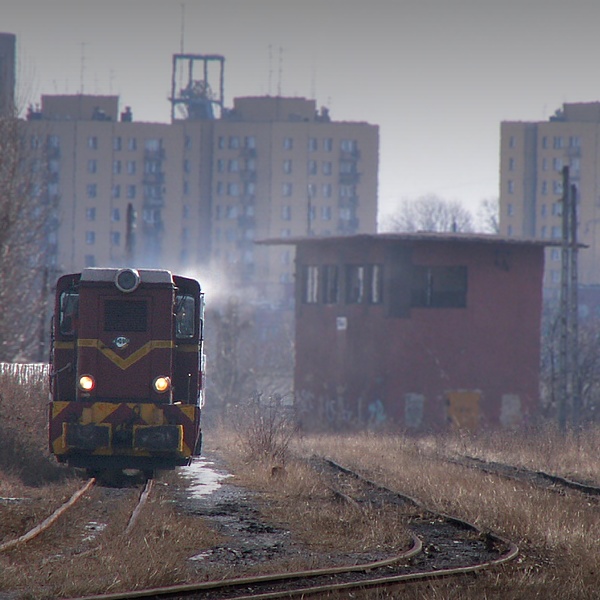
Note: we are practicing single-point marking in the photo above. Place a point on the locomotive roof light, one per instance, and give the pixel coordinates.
(127, 280)
(86, 383)
(161, 384)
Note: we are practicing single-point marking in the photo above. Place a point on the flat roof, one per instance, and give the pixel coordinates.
(417, 236)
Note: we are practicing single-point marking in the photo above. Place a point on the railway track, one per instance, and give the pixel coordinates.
(515, 472)
(52, 519)
(442, 546)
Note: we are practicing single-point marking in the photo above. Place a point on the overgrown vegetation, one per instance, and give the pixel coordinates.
(24, 454)
(26, 209)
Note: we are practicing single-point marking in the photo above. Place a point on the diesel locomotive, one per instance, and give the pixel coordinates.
(127, 370)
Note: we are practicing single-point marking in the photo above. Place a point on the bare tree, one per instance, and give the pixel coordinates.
(430, 213)
(24, 218)
(488, 215)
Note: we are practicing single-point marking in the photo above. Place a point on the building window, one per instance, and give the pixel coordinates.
(116, 191)
(312, 167)
(348, 146)
(116, 167)
(92, 166)
(115, 215)
(313, 144)
(90, 214)
(92, 190)
(131, 167)
(310, 284)
(574, 141)
(511, 141)
(90, 237)
(328, 144)
(557, 142)
(286, 189)
(544, 164)
(327, 190)
(92, 142)
(312, 190)
(439, 287)
(132, 143)
(221, 165)
(557, 209)
(115, 238)
(131, 191)
(556, 232)
(186, 166)
(234, 142)
(117, 143)
(544, 210)
(555, 254)
(544, 188)
(234, 165)
(557, 188)
(220, 188)
(376, 284)
(330, 284)
(90, 260)
(286, 213)
(326, 213)
(557, 164)
(250, 142)
(288, 143)
(543, 232)
(187, 142)
(510, 211)
(186, 188)
(511, 186)
(544, 142)
(327, 168)
(511, 164)
(355, 284)
(287, 166)
(233, 189)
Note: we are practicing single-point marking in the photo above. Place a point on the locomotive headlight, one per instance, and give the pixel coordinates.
(161, 384)
(127, 280)
(87, 383)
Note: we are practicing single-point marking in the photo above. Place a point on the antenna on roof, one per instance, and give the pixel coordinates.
(82, 68)
(182, 35)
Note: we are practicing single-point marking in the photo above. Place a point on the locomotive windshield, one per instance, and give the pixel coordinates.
(69, 309)
(184, 316)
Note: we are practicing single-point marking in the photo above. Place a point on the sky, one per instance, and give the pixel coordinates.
(437, 76)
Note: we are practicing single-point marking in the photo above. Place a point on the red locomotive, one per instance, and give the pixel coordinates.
(127, 370)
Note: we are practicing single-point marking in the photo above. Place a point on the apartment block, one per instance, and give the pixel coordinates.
(532, 156)
(195, 194)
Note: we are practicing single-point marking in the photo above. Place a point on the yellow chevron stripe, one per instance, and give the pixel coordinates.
(187, 348)
(124, 363)
(64, 345)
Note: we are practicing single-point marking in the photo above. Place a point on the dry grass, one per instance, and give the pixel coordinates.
(559, 535)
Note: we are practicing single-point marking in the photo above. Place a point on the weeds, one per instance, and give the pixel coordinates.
(265, 429)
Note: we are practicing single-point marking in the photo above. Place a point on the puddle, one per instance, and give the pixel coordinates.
(204, 478)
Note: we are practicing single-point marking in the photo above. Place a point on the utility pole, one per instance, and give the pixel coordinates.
(569, 399)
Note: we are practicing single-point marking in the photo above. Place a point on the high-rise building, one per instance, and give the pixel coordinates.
(532, 157)
(7, 74)
(197, 193)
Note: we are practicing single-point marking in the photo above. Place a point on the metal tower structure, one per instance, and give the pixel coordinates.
(192, 96)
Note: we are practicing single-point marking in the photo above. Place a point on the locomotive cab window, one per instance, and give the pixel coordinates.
(185, 309)
(69, 309)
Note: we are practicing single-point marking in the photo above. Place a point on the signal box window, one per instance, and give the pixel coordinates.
(184, 316)
(310, 284)
(330, 284)
(69, 310)
(355, 284)
(439, 287)
(121, 315)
